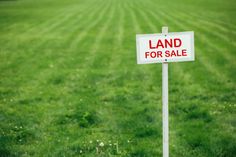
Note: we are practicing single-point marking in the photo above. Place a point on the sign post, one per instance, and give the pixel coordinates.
(163, 48)
(165, 112)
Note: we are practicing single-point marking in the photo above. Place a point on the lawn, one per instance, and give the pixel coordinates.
(70, 84)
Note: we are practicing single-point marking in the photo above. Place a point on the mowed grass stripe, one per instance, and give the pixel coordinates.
(100, 68)
(118, 45)
(45, 74)
(154, 26)
(14, 26)
(51, 31)
(216, 59)
(153, 71)
(95, 52)
(189, 15)
(60, 62)
(215, 32)
(211, 14)
(32, 56)
(118, 68)
(186, 73)
(41, 73)
(23, 36)
(213, 46)
(177, 72)
(189, 88)
(77, 40)
(149, 19)
(133, 16)
(142, 29)
(146, 25)
(223, 78)
(217, 48)
(79, 32)
(58, 16)
(224, 24)
(214, 25)
(153, 15)
(118, 49)
(176, 75)
(33, 27)
(183, 26)
(102, 31)
(147, 100)
(90, 76)
(115, 71)
(76, 15)
(78, 21)
(125, 49)
(120, 109)
(68, 16)
(79, 28)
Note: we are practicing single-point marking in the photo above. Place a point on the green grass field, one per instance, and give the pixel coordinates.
(70, 84)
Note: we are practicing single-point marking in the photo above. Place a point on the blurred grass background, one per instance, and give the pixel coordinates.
(70, 85)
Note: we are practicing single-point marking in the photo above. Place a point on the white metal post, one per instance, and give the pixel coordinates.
(165, 114)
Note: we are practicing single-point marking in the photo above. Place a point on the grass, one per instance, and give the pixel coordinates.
(70, 85)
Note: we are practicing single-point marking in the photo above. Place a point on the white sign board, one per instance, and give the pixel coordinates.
(165, 47)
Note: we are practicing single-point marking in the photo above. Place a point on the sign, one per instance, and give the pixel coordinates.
(165, 47)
